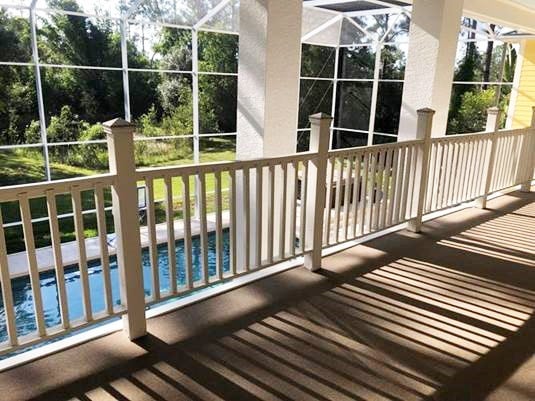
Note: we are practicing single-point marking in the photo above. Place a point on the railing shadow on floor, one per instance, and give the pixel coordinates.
(404, 317)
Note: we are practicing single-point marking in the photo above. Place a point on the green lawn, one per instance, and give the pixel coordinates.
(27, 166)
(159, 188)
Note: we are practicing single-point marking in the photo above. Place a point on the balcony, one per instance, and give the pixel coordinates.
(363, 229)
(425, 311)
(405, 316)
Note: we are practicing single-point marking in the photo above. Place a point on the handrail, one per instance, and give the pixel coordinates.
(372, 148)
(12, 192)
(189, 169)
(480, 135)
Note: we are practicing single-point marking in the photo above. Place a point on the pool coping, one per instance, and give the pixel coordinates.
(18, 262)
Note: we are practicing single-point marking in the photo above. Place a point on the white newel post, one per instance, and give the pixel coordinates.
(424, 127)
(528, 154)
(493, 125)
(317, 175)
(120, 136)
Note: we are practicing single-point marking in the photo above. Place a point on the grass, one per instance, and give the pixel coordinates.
(17, 167)
(159, 187)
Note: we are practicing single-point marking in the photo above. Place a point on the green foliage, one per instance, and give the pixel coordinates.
(317, 61)
(33, 132)
(76, 100)
(218, 52)
(14, 38)
(472, 114)
(18, 104)
(92, 132)
(469, 102)
(393, 62)
(66, 127)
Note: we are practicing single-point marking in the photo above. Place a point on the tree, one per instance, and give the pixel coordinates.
(18, 101)
(488, 57)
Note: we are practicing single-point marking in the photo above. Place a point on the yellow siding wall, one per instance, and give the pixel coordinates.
(526, 88)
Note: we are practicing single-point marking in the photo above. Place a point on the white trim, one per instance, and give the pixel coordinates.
(379, 11)
(480, 83)
(39, 90)
(318, 44)
(516, 85)
(374, 37)
(211, 13)
(124, 62)
(357, 131)
(173, 305)
(321, 28)
(375, 92)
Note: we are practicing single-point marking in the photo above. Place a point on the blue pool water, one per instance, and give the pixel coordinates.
(22, 292)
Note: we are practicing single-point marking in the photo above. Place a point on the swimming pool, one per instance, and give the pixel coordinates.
(23, 299)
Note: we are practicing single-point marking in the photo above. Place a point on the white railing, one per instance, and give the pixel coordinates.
(261, 212)
(369, 189)
(23, 195)
(457, 170)
(267, 218)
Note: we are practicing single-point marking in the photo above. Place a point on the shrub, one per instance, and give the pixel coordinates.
(472, 115)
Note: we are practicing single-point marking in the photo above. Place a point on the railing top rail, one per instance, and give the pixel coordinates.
(462, 137)
(34, 190)
(372, 148)
(480, 135)
(515, 131)
(189, 169)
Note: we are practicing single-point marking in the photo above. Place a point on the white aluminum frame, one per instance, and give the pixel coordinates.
(376, 43)
(123, 22)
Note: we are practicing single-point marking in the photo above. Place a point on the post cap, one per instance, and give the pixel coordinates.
(425, 110)
(117, 123)
(493, 110)
(320, 116)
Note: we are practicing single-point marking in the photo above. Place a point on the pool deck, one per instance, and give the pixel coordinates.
(18, 262)
(445, 315)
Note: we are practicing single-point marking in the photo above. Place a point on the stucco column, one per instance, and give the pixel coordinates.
(268, 77)
(268, 95)
(433, 38)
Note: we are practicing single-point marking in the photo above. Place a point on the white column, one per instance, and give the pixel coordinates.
(268, 77)
(433, 37)
(268, 96)
(120, 136)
